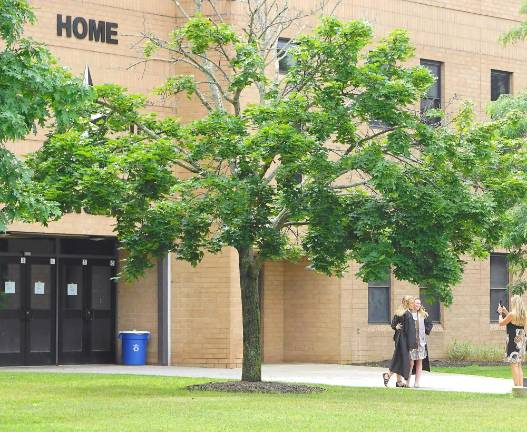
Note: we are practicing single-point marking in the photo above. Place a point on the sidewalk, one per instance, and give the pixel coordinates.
(331, 374)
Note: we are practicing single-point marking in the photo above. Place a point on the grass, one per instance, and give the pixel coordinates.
(81, 402)
(487, 371)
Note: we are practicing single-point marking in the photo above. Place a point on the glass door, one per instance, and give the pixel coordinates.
(101, 306)
(40, 310)
(72, 313)
(12, 311)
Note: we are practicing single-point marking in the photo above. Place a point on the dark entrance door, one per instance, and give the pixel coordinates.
(86, 314)
(27, 311)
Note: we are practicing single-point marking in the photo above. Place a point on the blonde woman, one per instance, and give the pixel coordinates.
(419, 356)
(405, 340)
(515, 320)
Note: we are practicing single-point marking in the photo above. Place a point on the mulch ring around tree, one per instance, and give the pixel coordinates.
(255, 387)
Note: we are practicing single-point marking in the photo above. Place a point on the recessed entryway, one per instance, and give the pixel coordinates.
(58, 301)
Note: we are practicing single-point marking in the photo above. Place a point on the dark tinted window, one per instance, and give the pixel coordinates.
(499, 279)
(97, 246)
(432, 100)
(32, 245)
(285, 60)
(431, 304)
(379, 301)
(500, 83)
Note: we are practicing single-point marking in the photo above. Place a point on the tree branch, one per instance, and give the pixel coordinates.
(367, 138)
(302, 223)
(350, 185)
(183, 164)
(280, 219)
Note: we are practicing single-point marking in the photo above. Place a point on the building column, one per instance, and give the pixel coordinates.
(163, 310)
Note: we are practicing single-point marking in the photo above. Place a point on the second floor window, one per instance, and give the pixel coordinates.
(500, 83)
(432, 100)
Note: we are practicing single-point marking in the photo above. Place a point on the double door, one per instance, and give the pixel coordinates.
(86, 311)
(56, 310)
(27, 310)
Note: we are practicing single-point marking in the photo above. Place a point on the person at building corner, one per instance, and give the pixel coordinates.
(405, 341)
(419, 359)
(515, 320)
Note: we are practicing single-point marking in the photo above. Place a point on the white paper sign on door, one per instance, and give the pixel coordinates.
(72, 289)
(10, 287)
(40, 288)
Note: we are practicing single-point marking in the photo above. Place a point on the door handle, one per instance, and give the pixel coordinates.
(88, 314)
(27, 313)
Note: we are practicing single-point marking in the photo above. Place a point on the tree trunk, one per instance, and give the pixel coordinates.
(252, 356)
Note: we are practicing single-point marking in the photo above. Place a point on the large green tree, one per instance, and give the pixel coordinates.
(299, 173)
(34, 90)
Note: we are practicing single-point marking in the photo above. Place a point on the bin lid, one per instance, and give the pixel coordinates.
(134, 332)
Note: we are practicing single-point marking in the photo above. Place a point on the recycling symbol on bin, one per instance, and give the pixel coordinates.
(136, 347)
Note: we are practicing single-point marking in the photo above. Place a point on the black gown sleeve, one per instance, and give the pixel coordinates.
(428, 325)
(395, 321)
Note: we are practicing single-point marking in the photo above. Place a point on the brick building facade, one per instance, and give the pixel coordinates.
(306, 317)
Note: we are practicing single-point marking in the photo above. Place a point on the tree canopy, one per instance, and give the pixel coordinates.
(34, 90)
(401, 196)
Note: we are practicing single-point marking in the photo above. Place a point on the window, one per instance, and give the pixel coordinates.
(431, 304)
(432, 100)
(499, 279)
(285, 60)
(500, 83)
(379, 301)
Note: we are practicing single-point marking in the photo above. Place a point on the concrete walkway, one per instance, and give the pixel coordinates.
(341, 375)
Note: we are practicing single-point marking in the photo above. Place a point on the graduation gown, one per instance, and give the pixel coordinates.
(405, 340)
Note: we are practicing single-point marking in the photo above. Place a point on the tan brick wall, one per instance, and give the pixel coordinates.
(108, 63)
(137, 309)
(311, 315)
(467, 319)
(313, 318)
(206, 312)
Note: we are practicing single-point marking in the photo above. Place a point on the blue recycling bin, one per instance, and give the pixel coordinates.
(134, 345)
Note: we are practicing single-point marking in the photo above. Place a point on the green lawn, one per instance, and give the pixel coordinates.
(488, 371)
(68, 402)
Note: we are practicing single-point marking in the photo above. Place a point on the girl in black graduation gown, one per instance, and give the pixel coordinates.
(405, 340)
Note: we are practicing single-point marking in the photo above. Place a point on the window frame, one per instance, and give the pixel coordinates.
(506, 296)
(430, 101)
(388, 288)
(502, 73)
